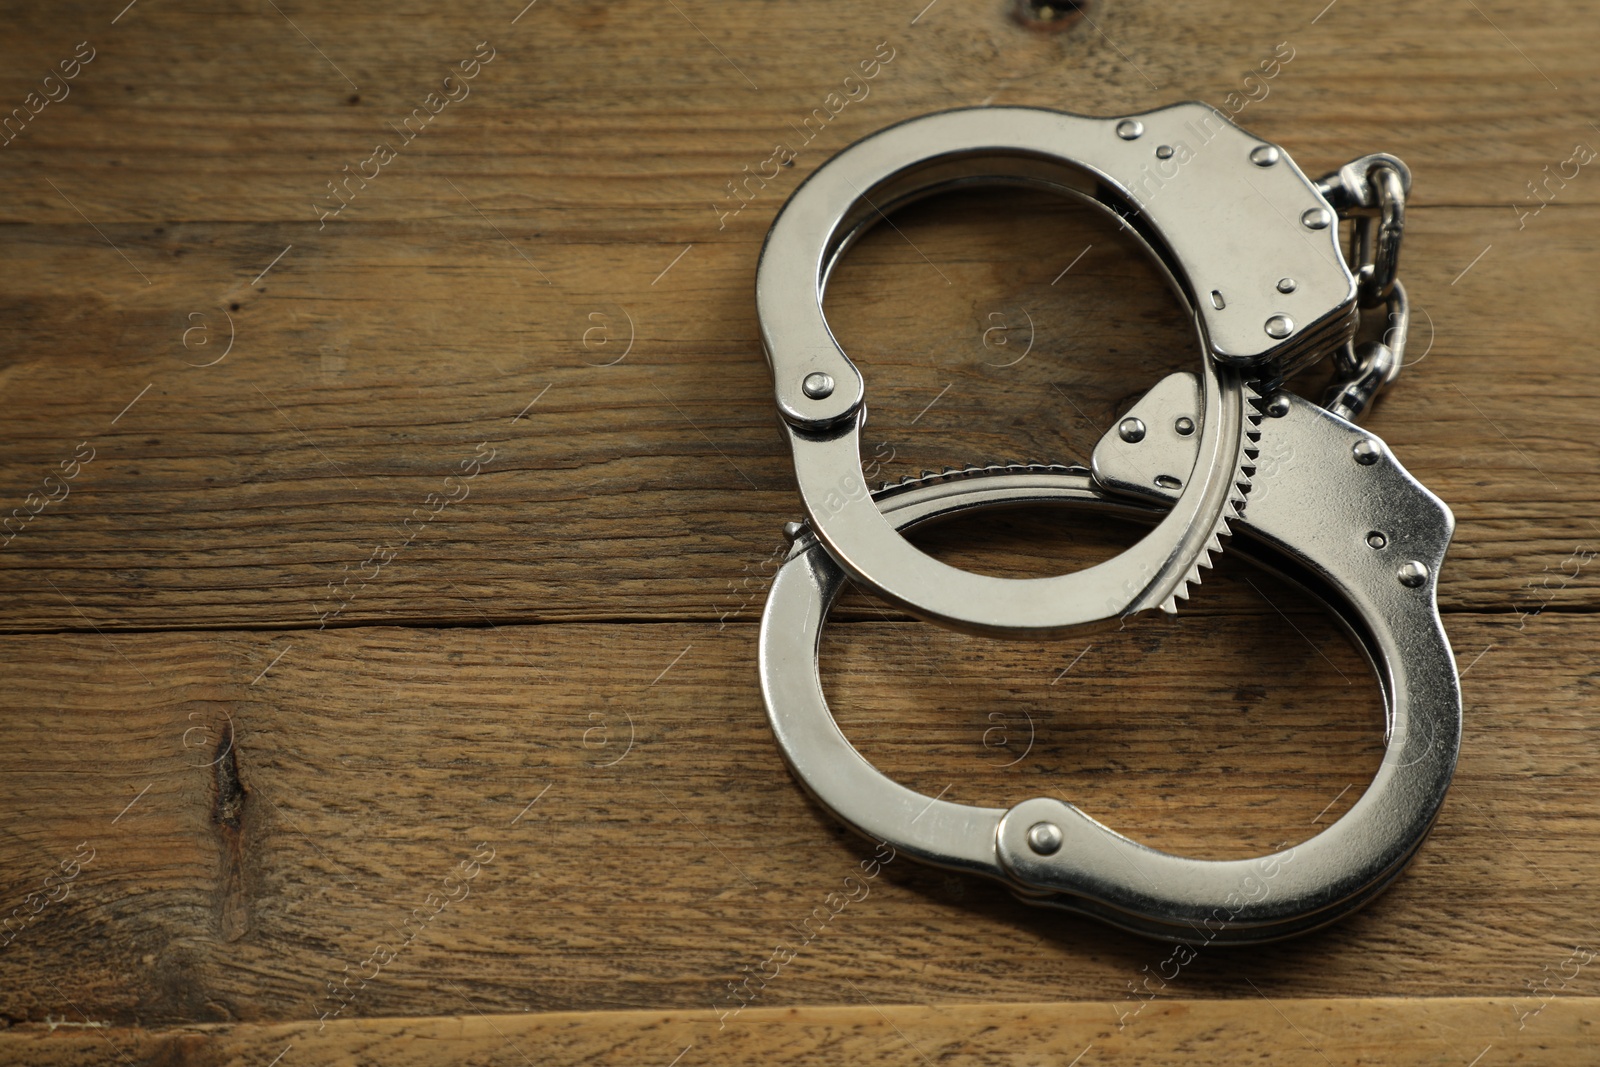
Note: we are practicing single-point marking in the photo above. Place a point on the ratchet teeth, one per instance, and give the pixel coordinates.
(1237, 496)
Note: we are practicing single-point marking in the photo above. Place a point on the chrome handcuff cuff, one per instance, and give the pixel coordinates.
(1262, 272)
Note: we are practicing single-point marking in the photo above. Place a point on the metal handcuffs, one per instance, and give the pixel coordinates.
(1331, 509)
(1374, 557)
(1246, 239)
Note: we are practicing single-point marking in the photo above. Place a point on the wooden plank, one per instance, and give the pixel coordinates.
(234, 818)
(645, 139)
(374, 353)
(265, 812)
(374, 367)
(1431, 1032)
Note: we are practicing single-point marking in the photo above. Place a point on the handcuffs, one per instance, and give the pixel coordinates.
(1251, 245)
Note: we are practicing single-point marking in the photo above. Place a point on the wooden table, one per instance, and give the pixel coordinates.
(379, 637)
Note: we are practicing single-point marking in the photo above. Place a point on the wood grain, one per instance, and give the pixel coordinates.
(257, 833)
(232, 495)
(622, 117)
(275, 751)
(384, 347)
(1301, 1032)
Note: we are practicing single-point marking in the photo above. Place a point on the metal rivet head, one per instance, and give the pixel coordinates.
(1184, 426)
(1280, 326)
(1164, 152)
(1130, 129)
(1366, 451)
(792, 530)
(1278, 406)
(1376, 540)
(1264, 155)
(1044, 838)
(1316, 218)
(818, 385)
(1131, 430)
(1413, 574)
(1287, 285)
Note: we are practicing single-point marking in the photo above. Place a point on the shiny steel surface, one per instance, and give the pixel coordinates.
(1311, 516)
(1376, 238)
(1365, 370)
(1372, 191)
(1329, 508)
(1155, 572)
(1201, 213)
(1217, 223)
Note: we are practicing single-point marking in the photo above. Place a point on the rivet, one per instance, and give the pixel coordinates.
(1044, 838)
(1376, 540)
(1366, 451)
(1278, 406)
(1280, 326)
(1164, 152)
(1131, 430)
(1264, 155)
(1287, 285)
(818, 385)
(1413, 574)
(1316, 218)
(1184, 426)
(1130, 129)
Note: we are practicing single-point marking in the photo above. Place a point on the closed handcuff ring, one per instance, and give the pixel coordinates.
(1245, 239)
(1050, 852)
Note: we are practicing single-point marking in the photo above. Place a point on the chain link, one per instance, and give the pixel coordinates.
(1371, 192)
(1366, 369)
(1375, 238)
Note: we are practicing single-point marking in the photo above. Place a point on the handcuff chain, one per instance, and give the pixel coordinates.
(1371, 192)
